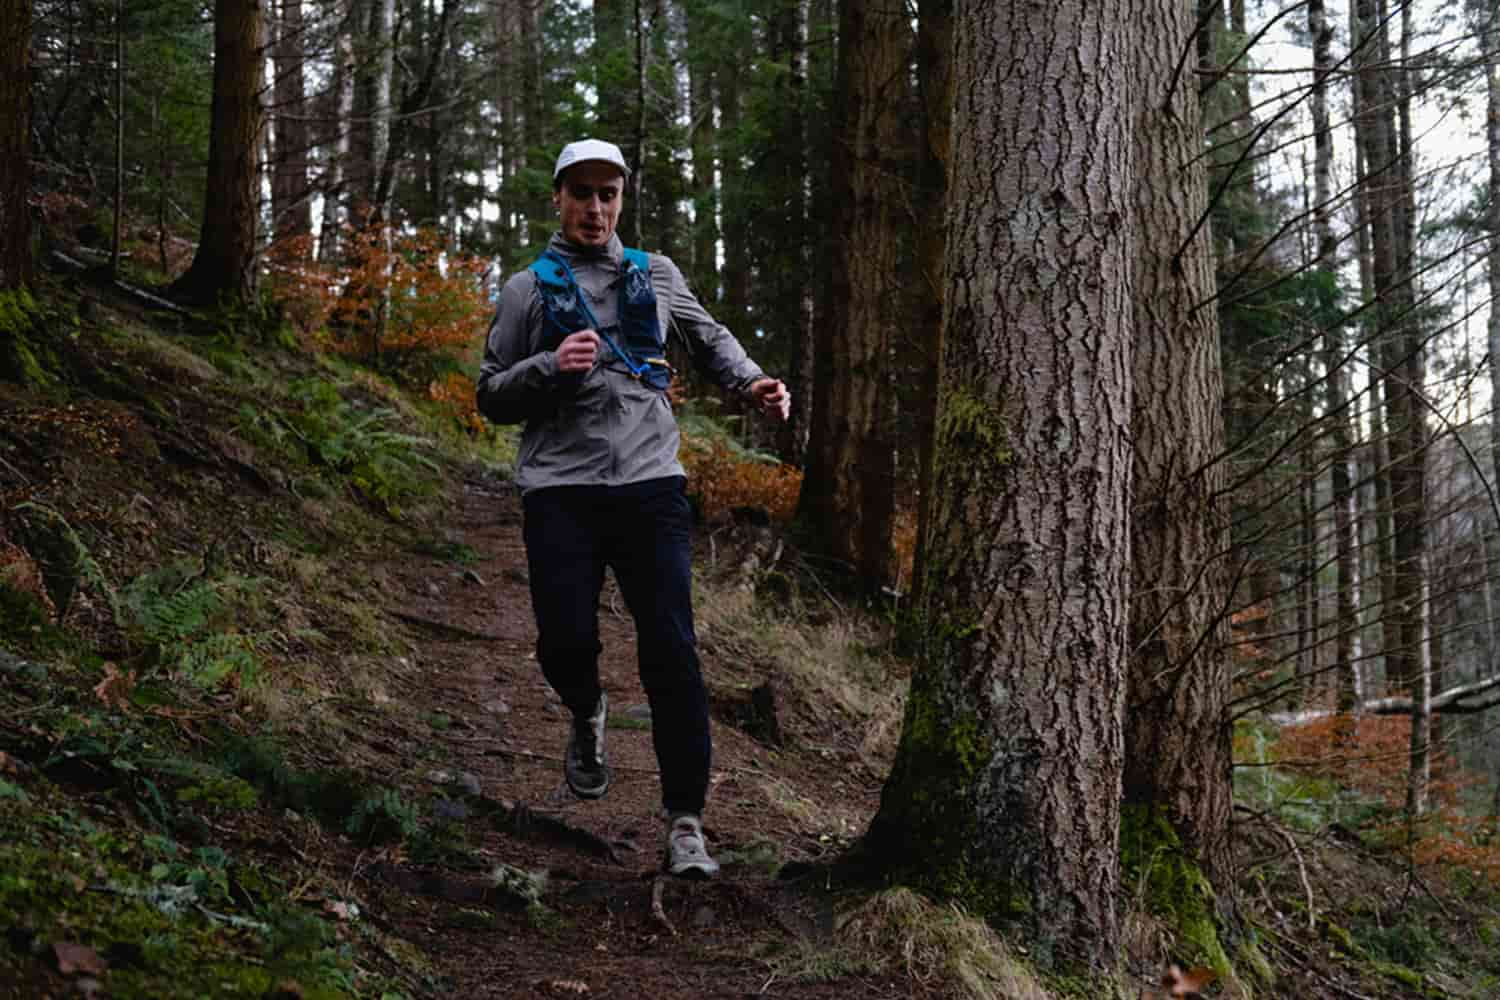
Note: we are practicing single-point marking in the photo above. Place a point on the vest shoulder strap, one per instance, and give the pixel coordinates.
(551, 269)
(639, 258)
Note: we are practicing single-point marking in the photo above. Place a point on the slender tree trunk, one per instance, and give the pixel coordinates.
(848, 493)
(382, 105)
(704, 142)
(1177, 759)
(1492, 221)
(223, 268)
(792, 296)
(1401, 357)
(291, 207)
(1307, 554)
(338, 143)
(735, 274)
(638, 131)
(1005, 790)
(15, 135)
(118, 236)
(511, 155)
(1345, 624)
(935, 78)
(613, 60)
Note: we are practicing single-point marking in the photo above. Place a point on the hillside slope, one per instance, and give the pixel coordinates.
(270, 725)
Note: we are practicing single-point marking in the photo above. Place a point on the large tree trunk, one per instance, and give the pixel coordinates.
(1005, 790)
(1178, 755)
(223, 268)
(15, 136)
(848, 493)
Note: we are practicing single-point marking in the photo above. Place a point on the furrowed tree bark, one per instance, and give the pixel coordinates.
(223, 268)
(1177, 738)
(15, 135)
(1005, 790)
(848, 492)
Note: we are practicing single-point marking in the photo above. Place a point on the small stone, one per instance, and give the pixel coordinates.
(641, 713)
(469, 576)
(497, 707)
(450, 810)
(468, 782)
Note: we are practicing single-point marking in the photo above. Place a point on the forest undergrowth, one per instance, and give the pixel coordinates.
(269, 727)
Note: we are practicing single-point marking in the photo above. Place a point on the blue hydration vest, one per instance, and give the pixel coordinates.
(636, 335)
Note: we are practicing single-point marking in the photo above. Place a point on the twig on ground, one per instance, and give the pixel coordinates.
(658, 885)
(1291, 842)
(443, 628)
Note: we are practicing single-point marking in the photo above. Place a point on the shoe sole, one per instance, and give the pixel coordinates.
(694, 873)
(589, 793)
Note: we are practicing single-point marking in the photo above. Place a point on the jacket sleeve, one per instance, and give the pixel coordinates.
(714, 350)
(516, 380)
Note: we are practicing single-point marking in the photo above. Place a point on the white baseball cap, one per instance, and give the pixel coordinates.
(590, 150)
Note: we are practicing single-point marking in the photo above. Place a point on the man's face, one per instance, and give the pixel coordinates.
(588, 203)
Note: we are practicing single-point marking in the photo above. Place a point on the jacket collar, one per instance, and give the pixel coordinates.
(613, 251)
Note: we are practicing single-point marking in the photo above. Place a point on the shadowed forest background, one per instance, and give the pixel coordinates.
(1123, 591)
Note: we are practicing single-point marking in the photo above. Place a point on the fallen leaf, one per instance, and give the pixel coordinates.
(73, 958)
(114, 690)
(1185, 984)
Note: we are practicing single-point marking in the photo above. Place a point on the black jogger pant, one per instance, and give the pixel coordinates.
(642, 531)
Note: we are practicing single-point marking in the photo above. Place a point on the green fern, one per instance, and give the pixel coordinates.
(190, 621)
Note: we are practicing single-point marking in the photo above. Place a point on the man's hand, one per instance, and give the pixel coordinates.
(773, 397)
(577, 352)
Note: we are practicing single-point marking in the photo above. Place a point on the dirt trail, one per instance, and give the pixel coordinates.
(599, 936)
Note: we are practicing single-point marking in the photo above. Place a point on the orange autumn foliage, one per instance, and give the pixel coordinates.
(435, 297)
(1372, 755)
(455, 395)
(724, 480)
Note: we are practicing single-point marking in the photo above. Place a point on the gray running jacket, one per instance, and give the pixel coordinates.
(605, 428)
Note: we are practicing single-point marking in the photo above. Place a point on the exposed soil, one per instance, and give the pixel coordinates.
(602, 858)
(151, 462)
(404, 655)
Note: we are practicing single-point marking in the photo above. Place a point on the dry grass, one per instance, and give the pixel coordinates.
(832, 665)
(940, 947)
